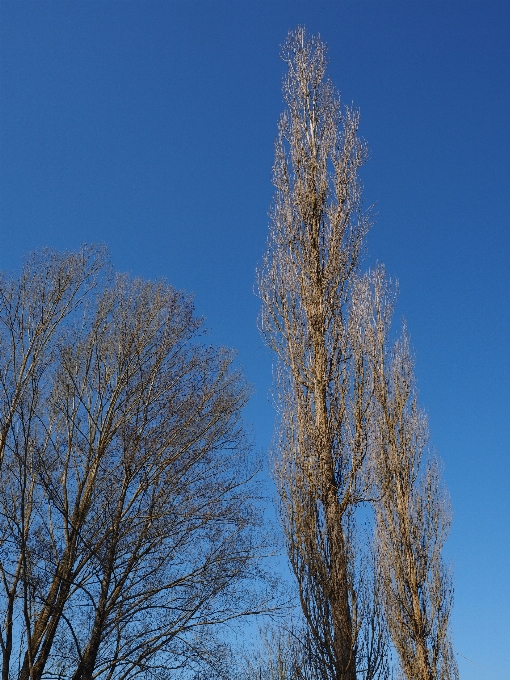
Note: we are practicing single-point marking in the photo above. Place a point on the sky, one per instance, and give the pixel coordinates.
(149, 126)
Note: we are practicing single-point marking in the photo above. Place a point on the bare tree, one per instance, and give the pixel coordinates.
(413, 513)
(280, 655)
(126, 519)
(33, 309)
(313, 321)
(283, 651)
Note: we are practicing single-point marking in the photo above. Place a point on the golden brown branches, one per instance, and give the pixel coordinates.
(413, 513)
(307, 285)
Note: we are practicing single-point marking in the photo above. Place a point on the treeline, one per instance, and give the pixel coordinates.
(131, 534)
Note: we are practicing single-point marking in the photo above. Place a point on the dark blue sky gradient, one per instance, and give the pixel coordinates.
(150, 126)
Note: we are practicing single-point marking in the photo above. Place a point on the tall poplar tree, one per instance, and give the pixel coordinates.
(348, 434)
(310, 318)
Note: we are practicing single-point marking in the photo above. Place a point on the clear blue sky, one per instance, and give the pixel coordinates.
(150, 126)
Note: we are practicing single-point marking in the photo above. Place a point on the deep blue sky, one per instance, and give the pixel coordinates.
(150, 126)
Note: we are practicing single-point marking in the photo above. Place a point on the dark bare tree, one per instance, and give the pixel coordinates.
(33, 310)
(127, 525)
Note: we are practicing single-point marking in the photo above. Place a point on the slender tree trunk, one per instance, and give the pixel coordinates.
(85, 670)
(337, 587)
(41, 641)
(306, 285)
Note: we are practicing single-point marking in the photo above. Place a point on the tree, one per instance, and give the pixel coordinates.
(413, 514)
(32, 311)
(349, 433)
(312, 317)
(283, 653)
(127, 529)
